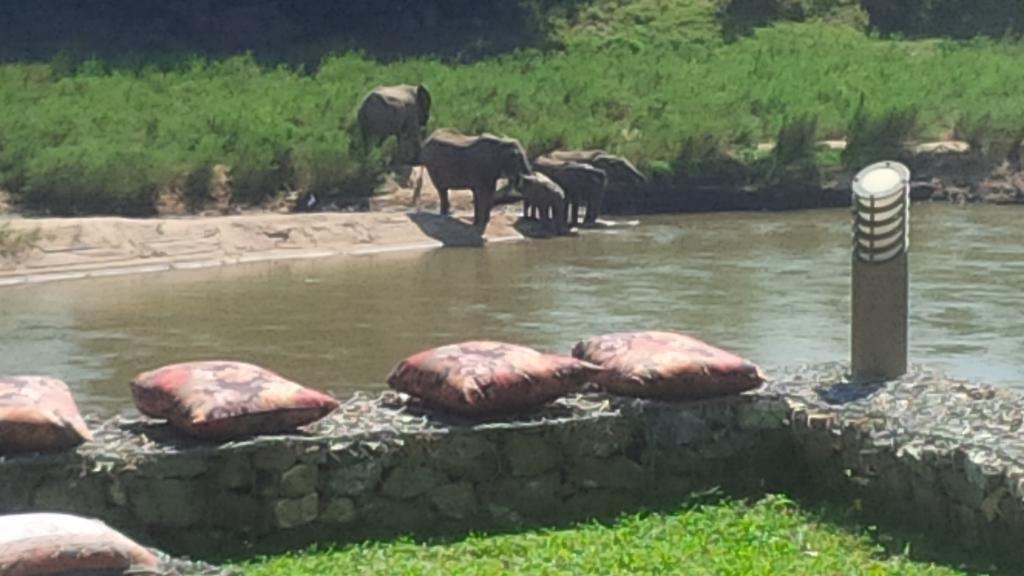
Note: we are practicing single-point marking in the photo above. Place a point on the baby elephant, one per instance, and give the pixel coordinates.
(540, 192)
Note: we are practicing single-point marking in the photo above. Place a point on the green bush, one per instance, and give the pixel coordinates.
(740, 17)
(991, 139)
(794, 156)
(92, 178)
(873, 137)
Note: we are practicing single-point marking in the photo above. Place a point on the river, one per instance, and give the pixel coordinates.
(773, 287)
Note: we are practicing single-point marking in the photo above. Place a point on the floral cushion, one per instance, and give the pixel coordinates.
(38, 414)
(666, 365)
(483, 378)
(219, 400)
(45, 544)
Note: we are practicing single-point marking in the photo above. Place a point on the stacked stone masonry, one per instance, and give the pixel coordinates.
(945, 455)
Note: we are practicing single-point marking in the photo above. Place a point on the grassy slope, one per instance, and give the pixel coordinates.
(640, 78)
(767, 538)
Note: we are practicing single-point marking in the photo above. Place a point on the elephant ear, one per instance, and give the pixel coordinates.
(423, 103)
(519, 157)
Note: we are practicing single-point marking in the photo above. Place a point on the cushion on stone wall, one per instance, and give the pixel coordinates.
(666, 365)
(483, 378)
(38, 414)
(45, 544)
(219, 400)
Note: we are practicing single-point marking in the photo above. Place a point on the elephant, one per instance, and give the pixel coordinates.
(401, 111)
(455, 160)
(620, 171)
(541, 193)
(582, 183)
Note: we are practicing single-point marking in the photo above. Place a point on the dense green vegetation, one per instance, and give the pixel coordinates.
(769, 537)
(657, 80)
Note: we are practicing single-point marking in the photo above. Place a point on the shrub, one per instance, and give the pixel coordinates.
(702, 160)
(14, 244)
(793, 159)
(92, 178)
(740, 17)
(991, 139)
(876, 137)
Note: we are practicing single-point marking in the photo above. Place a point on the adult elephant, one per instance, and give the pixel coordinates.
(544, 195)
(582, 183)
(401, 111)
(459, 161)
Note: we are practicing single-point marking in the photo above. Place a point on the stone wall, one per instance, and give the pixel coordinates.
(922, 448)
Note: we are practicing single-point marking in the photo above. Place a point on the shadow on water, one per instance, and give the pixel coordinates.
(533, 228)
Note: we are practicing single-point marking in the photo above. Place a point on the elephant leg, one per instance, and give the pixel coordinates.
(476, 207)
(558, 211)
(526, 209)
(594, 207)
(545, 217)
(574, 213)
(445, 207)
(483, 198)
(409, 142)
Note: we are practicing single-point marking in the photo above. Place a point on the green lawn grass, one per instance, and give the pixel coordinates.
(769, 537)
(646, 78)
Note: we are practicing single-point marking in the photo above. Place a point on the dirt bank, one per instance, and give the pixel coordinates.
(943, 171)
(49, 249)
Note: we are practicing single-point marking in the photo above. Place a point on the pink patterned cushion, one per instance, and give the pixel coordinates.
(38, 414)
(219, 400)
(482, 378)
(666, 365)
(45, 544)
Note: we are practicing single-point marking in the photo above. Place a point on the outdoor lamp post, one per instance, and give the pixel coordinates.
(879, 283)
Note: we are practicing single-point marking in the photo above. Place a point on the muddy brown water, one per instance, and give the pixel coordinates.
(771, 286)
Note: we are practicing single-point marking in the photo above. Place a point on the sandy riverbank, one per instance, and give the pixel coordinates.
(77, 248)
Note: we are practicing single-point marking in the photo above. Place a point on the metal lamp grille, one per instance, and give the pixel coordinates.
(881, 217)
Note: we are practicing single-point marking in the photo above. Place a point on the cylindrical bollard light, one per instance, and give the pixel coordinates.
(881, 236)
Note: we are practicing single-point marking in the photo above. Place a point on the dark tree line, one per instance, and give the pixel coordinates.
(272, 29)
(909, 18)
(301, 31)
(954, 18)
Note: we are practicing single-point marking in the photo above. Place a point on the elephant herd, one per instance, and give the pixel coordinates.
(553, 186)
